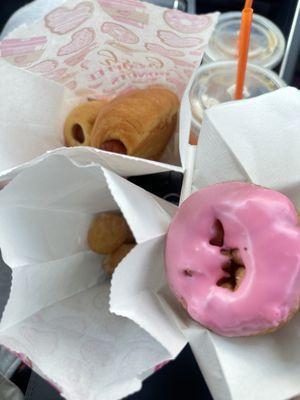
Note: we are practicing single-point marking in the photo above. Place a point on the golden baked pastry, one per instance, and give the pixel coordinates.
(138, 124)
(108, 232)
(112, 260)
(193, 139)
(79, 123)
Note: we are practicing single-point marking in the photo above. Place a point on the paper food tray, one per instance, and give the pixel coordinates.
(91, 50)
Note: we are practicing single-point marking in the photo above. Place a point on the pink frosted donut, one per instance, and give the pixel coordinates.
(233, 258)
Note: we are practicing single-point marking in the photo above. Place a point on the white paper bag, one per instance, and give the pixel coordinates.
(57, 315)
(94, 49)
(253, 140)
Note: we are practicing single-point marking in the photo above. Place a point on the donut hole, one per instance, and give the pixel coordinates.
(218, 234)
(114, 146)
(234, 269)
(78, 133)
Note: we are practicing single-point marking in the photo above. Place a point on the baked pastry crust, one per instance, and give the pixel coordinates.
(111, 261)
(108, 232)
(142, 120)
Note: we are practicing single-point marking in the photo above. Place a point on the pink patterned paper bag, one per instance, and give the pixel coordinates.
(99, 49)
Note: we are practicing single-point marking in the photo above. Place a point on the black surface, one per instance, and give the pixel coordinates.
(165, 185)
(21, 378)
(7, 7)
(180, 379)
(5, 282)
(38, 389)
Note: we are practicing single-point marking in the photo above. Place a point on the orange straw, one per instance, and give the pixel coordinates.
(244, 40)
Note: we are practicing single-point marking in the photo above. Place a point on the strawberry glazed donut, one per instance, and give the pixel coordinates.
(233, 258)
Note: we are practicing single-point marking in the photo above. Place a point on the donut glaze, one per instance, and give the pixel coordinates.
(260, 224)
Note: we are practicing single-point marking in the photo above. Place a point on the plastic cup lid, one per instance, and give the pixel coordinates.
(267, 42)
(215, 83)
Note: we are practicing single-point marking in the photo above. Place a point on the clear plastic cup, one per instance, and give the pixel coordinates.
(267, 42)
(215, 83)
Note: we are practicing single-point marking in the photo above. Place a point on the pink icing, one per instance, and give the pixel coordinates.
(262, 224)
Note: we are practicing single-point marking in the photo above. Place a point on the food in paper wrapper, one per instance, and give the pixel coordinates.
(139, 123)
(142, 122)
(232, 258)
